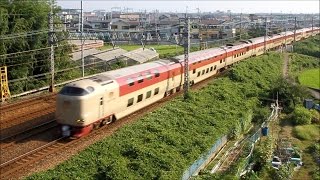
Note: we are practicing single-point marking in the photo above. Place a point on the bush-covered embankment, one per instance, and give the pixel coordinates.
(308, 46)
(167, 141)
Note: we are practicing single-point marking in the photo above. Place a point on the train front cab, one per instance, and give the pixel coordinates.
(76, 109)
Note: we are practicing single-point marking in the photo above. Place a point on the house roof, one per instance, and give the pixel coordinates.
(114, 21)
(87, 52)
(210, 22)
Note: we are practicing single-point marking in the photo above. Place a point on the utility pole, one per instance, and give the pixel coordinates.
(285, 33)
(312, 25)
(240, 26)
(51, 43)
(265, 36)
(79, 25)
(65, 23)
(295, 29)
(82, 58)
(186, 55)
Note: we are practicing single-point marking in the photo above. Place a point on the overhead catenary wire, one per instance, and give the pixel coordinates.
(33, 50)
(24, 34)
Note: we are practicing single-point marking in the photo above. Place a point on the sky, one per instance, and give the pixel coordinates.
(251, 6)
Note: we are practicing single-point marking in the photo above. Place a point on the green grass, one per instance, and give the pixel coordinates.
(164, 143)
(307, 132)
(310, 78)
(161, 49)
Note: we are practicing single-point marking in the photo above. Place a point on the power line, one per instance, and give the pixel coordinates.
(3, 55)
(25, 34)
(34, 50)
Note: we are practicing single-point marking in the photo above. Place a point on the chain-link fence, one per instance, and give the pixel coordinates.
(204, 159)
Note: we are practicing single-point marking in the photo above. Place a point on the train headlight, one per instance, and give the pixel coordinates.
(80, 121)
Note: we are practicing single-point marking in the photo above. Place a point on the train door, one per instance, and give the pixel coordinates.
(101, 108)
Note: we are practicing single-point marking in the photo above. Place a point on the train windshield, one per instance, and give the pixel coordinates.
(73, 91)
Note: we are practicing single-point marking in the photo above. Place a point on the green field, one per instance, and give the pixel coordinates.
(310, 78)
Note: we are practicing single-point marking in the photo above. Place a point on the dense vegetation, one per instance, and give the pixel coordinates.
(163, 145)
(29, 69)
(308, 47)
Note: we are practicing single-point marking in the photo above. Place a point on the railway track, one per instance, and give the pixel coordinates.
(10, 167)
(14, 138)
(23, 103)
(30, 115)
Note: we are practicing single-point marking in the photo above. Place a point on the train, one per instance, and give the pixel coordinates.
(92, 102)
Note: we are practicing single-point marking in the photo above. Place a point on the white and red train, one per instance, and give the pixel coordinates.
(92, 102)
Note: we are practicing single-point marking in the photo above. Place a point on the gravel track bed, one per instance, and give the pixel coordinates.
(24, 124)
(28, 144)
(8, 116)
(31, 114)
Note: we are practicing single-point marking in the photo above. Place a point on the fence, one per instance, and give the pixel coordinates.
(204, 159)
(253, 139)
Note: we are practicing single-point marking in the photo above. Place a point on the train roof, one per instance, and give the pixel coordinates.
(136, 69)
(200, 55)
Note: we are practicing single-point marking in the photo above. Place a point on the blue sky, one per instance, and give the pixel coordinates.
(251, 6)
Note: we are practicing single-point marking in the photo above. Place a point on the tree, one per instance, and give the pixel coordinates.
(256, 31)
(17, 18)
(289, 94)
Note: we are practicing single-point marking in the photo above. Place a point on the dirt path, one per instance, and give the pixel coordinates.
(285, 67)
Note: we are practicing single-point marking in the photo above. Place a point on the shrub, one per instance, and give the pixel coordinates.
(315, 116)
(306, 132)
(301, 116)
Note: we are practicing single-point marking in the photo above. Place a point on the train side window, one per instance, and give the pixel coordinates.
(211, 68)
(203, 72)
(207, 70)
(224, 60)
(148, 94)
(215, 67)
(130, 81)
(140, 97)
(101, 101)
(221, 61)
(194, 71)
(130, 102)
(199, 73)
(140, 78)
(156, 91)
(156, 73)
